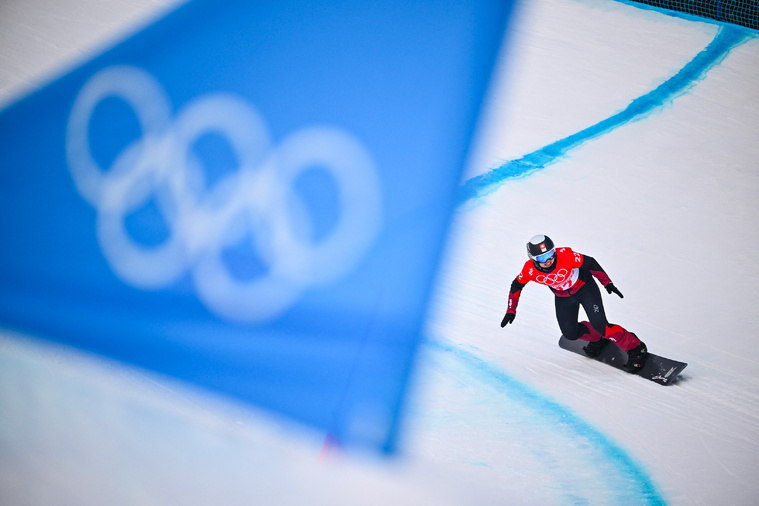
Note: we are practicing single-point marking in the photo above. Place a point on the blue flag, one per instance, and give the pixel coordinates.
(251, 197)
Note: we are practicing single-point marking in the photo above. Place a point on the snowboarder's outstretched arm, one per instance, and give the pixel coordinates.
(591, 267)
(514, 293)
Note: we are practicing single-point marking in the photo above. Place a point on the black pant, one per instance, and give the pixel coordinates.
(568, 308)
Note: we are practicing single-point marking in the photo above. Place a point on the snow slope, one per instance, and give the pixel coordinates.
(664, 199)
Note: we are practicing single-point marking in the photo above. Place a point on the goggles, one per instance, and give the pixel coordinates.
(541, 259)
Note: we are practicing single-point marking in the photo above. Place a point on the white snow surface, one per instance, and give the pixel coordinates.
(667, 204)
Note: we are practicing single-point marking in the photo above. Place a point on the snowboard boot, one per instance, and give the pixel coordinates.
(636, 358)
(593, 348)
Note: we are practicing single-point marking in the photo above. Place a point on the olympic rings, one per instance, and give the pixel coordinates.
(257, 202)
(562, 279)
(552, 279)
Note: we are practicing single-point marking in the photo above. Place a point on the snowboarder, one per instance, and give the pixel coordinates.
(570, 276)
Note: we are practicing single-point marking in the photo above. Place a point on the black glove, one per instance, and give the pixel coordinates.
(507, 319)
(613, 289)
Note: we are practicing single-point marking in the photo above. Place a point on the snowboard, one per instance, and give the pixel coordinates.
(659, 369)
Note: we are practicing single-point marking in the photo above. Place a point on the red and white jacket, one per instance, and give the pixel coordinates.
(568, 274)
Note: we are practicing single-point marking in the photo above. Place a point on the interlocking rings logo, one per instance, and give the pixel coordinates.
(553, 279)
(562, 279)
(257, 202)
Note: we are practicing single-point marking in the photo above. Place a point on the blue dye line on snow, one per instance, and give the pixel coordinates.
(639, 488)
(727, 38)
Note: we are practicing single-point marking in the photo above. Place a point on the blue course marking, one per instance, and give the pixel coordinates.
(579, 447)
(727, 38)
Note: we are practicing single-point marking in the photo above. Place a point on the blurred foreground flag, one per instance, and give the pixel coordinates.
(251, 197)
